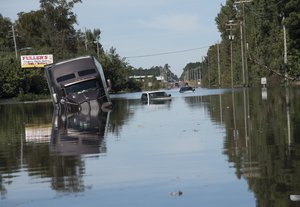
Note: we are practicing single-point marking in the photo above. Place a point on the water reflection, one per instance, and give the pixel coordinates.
(260, 141)
(266, 152)
(50, 150)
(71, 134)
(79, 134)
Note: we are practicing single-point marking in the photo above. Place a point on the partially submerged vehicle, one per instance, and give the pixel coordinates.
(76, 83)
(186, 89)
(155, 97)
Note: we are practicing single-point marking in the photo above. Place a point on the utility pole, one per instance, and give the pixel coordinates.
(285, 49)
(202, 69)
(97, 47)
(231, 23)
(231, 37)
(15, 42)
(242, 53)
(208, 66)
(219, 67)
(245, 38)
(200, 74)
(197, 75)
(98, 50)
(85, 40)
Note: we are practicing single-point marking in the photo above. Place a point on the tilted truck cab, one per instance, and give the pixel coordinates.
(77, 82)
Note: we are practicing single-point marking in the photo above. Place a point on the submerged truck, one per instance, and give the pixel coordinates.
(78, 83)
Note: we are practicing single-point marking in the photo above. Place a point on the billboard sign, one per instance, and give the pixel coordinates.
(36, 61)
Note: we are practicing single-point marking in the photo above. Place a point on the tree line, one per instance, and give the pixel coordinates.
(259, 38)
(50, 30)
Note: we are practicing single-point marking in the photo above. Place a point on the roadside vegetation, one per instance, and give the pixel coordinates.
(259, 31)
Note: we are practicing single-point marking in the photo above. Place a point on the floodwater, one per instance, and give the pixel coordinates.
(208, 148)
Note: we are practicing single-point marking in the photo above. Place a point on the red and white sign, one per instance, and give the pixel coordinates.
(36, 61)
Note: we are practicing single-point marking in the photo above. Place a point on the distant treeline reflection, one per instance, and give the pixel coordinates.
(262, 139)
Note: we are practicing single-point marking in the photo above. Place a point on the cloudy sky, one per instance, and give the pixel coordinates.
(147, 32)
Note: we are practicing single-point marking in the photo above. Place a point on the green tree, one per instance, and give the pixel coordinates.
(6, 41)
(262, 41)
(115, 69)
(11, 78)
(290, 9)
(58, 26)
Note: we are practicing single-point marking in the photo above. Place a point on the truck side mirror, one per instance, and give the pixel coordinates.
(54, 96)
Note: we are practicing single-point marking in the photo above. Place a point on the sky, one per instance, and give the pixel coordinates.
(146, 32)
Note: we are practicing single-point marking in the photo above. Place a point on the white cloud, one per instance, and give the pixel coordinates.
(176, 22)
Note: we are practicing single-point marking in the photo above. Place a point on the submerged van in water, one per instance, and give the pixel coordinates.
(78, 83)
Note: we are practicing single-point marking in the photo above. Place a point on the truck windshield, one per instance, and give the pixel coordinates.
(81, 87)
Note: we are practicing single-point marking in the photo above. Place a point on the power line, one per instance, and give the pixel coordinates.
(167, 53)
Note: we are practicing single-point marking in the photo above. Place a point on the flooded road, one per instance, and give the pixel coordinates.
(207, 148)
